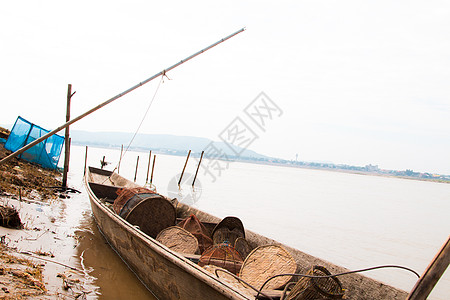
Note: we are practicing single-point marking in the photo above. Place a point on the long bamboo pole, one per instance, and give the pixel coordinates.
(432, 274)
(163, 72)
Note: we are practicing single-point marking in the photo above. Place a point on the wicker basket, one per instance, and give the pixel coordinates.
(151, 215)
(194, 226)
(222, 255)
(125, 194)
(266, 261)
(317, 288)
(243, 247)
(228, 230)
(178, 239)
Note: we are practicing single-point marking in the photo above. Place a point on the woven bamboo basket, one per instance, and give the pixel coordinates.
(124, 195)
(243, 247)
(228, 230)
(317, 288)
(178, 239)
(195, 226)
(151, 215)
(266, 261)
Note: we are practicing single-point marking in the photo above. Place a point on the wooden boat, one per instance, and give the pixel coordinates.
(172, 275)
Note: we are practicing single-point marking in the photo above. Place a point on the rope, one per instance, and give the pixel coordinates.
(243, 281)
(335, 275)
(142, 121)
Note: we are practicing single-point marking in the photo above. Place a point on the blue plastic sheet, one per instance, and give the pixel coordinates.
(46, 153)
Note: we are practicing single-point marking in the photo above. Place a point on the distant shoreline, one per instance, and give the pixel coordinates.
(280, 164)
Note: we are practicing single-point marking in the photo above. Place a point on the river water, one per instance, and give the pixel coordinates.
(352, 220)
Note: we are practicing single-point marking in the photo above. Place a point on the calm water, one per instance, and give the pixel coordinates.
(351, 220)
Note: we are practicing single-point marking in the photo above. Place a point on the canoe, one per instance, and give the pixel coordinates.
(174, 275)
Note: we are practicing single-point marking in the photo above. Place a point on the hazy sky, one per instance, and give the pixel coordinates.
(358, 82)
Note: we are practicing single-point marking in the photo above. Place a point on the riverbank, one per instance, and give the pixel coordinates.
(37, 255)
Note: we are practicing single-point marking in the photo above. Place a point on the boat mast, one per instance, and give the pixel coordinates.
(163, 72)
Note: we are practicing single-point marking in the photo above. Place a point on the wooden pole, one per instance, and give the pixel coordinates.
(162, 73)
(85, 160)
(196, 172)
(66, 137)
(135, 172)
(148, 167)
(432, 274)
(120, 159)
(153, 167)
(182, 172)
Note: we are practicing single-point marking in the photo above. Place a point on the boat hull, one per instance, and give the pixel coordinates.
(165, 273)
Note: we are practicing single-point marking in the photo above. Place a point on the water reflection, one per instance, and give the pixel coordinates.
(183, 189)
(112, 276)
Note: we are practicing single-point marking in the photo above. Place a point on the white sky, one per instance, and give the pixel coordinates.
(359, 82)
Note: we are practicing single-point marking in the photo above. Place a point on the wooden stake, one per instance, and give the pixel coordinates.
(153, 167)
(120, 159)
(182, 173)
(66, 138)
(135, 172)
(85, 160)
(432, 274)
(148, 167)
(196, 172)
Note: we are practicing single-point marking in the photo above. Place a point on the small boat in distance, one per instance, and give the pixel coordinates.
(171, 274)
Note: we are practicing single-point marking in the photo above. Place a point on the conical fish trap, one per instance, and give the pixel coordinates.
(222, 255)
(317, 288)
(194, 226)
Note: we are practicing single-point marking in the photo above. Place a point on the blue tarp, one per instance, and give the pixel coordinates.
(46, 153)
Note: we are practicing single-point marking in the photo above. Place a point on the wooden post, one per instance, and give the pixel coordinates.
(85, 160)
(196, 172)
(66, 137)
(148, 167)
(153, 167)
(432, 274)
(135, 172)
(120, 159)
(182, 172)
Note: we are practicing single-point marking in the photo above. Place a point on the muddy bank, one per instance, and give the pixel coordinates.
(19, 178)
(36, 251)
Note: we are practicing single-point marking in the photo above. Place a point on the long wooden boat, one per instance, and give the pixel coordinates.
(173, 275)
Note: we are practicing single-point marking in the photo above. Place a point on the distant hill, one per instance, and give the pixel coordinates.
(160, 142)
